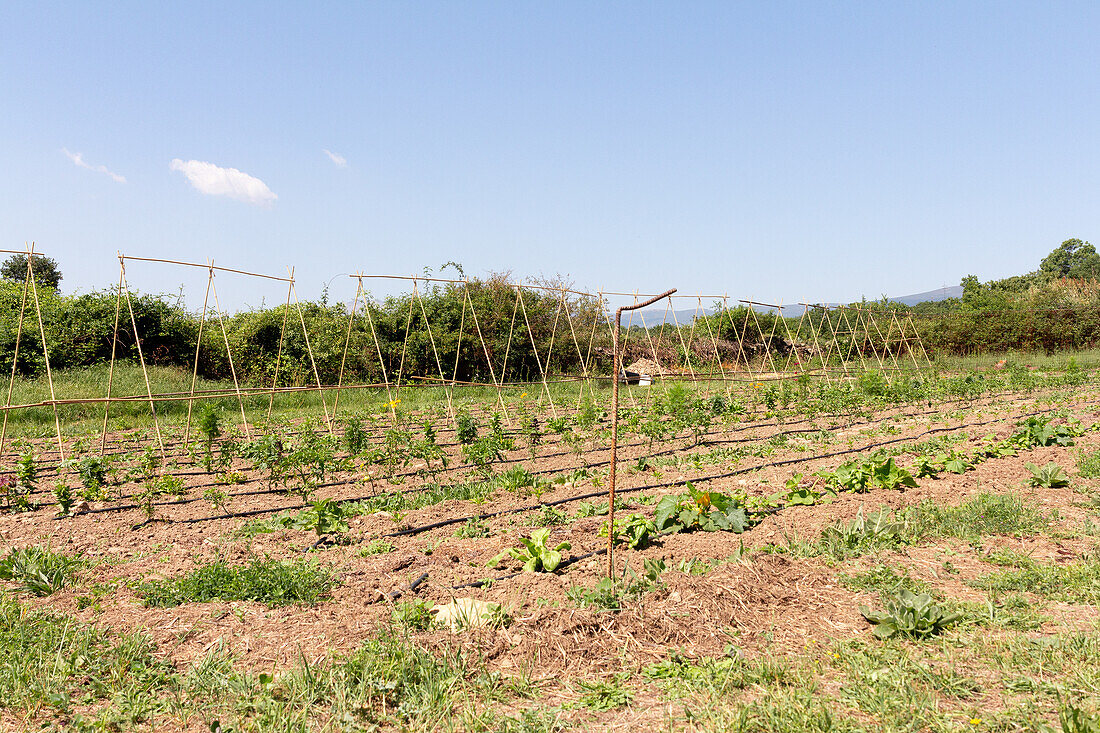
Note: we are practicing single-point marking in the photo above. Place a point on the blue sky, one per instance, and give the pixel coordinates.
(780, 151)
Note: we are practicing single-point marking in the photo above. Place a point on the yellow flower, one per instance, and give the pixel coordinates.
(836, 656)
(523, 395)
(975, 721)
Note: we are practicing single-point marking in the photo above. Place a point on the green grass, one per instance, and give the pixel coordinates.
(50, 662)
(1086, 359)
(1074, 583)
(271, 582)
(62, 674)
(980, 516)
(884, 580)
(1088, 464)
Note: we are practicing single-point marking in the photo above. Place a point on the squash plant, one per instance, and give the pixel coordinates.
(706, 511)
(877, 472)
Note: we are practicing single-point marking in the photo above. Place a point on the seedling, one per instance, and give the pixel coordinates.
(878, 471)
(355, 437)
(210, 429)
(465, 429)
(26, 471)
(1035, 432)
(634, 530)
(63, 495)
(217, 497)
(11, 495)
(535, 553)
(413, 614)
(472, 529)
(551, 516)
(92, 471)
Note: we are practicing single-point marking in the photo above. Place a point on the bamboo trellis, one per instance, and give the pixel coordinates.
(709, 347)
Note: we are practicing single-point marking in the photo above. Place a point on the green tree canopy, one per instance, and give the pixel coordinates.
(1074, 258)
(46, 271)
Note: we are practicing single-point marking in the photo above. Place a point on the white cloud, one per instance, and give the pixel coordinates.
(336, 158)
(216, 181)
(78, 160)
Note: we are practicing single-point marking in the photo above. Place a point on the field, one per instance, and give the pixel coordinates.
(431, 564)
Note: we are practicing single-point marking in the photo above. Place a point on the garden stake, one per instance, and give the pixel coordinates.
(378, 349)
(309, 350)
(111, 371)
(15, 356)
(616, 363)
(198, 344)
(228, 355)
(279, 353)
(535, 348)
(347, 343)
(141, 359)
(485, 349)
(45, 352)
(683, 345)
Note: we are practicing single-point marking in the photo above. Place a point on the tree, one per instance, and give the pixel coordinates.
(46, 272)
(1073, 258)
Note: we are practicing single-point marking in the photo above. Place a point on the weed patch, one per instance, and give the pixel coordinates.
(271, 582)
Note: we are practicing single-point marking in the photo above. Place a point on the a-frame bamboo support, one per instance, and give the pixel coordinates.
(15, 356)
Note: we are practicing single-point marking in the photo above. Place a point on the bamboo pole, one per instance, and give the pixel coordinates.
(205, 267)
(15, 356)
(45, 354)
(381, 361)
(535, 349)
(435, 352)
(141, 358)
(279, 353)
(312, 361)
(111, 370)
(198, 344)
(488, 359)
(347, 343)
(229, 356)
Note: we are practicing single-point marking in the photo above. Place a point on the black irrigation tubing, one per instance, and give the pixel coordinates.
(51, 470)
(738, 429)
(702, 479)
(421, 489)
(127, 507)
(446, 428)
(603, 551)
(741, 428)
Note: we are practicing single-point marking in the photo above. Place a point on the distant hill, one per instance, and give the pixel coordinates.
(952, 291)
(657, 316)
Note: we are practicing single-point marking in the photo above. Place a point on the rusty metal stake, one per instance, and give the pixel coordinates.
(617, 371)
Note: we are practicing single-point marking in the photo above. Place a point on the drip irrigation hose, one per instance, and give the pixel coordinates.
(421, 489)
(603, 550)
(273, 510)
